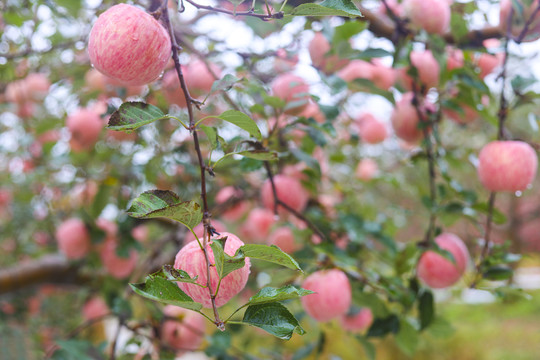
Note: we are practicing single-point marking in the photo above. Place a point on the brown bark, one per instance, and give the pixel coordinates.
(52, 268)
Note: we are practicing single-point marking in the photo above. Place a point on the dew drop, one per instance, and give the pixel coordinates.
(518, 193)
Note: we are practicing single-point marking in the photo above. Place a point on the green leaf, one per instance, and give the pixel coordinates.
(383, 326)
(226, 264)
(271, 294)
(273, 318)
(274, 101)
(371, 53)
(498, 273)
(407, 338)
(251, 154)
(165, 291)
(498, 217)
(243, 121)
(72, 6)
(211, 134)
(165, 203)
(170, 273)
(132, 115)
(327, 8)
(271, 254)
(72, 349)
(426, 309)
(346, 31)
(224, 84)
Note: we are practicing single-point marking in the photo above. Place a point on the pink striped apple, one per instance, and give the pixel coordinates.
(357, 322)
(129, 45)
(191, 259)
(428, 68)
(430, 15)
(73, 238)
(332, 296)
(438, 272)
(294, 90)
(507, 166)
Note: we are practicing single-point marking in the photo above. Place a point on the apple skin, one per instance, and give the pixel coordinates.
(185, 333)
(95, 308)
(332, 296)
(236, 211)
(191, 259)
(85, 126)
(371, 130)
(318, 49)
(129, 45)
(288, 189)
(257, 225)
(438, 272)
(73, 239)
(358, 322)
(116, 266)
(487, 63)
(428, 68)
(367, 169)
(291, 88)
(283, 238)
(405, 120)
(430, 15)
(507, 166)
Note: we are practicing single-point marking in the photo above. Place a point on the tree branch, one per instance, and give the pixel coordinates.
(189, 103)
(52, 268)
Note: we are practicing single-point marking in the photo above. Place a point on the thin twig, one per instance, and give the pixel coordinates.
(431, 168)
(278, 202)
(264, 17)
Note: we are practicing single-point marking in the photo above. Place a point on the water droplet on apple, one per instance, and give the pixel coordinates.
(519, 193)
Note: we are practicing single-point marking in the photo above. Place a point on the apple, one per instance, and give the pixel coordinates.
(371, 130)
(129, 45)
(318, 48)
(294, 90)
(289, 190)
(332, 296)
(73, 238)
(427, 67)
(507, 166)
(454, 58)
(284, 62)
(85, 126)
(438, 272)
(235, 212)
(357, 322)
(186, 331)
(199, 231)
(487, 63)
(95, 308)
(405, 120)
(283, 238)
(430, 15)
(257, 225)
(367, 169)
(191, 259)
